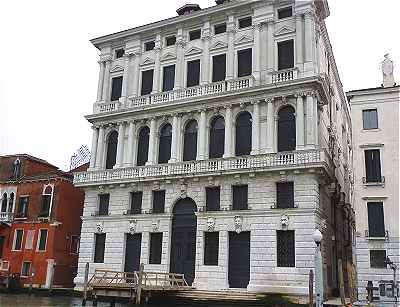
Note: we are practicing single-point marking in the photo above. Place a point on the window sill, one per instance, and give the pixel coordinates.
(373, 184)
(371, 130)
(376, 238)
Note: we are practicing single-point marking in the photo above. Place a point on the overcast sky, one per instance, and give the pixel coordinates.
(49, 69)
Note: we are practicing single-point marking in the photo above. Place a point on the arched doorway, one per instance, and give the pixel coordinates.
(183, 241)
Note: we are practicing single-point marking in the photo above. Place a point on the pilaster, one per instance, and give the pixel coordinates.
(120, 145)
(152, 141)
(299, 122)
(228, 132)
(129, 159)
(106, 82)
(270, 126)
(95, 137)
(100, 148)
(231, 29)
(201, 154)
(255, 142)
(101, 81)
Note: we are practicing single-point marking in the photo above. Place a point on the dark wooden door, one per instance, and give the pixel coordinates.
(239, 259)
(132, 252)
(183, 242)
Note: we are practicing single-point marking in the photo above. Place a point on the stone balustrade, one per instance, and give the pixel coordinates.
(284, 75)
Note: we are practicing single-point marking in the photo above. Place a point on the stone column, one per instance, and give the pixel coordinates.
(270, 48)
(299, 42)
(120, 146)
(205, 61)
(259, 28)
(228, 132)
(315, 126)
(152, 142)
(100, 82)
(180, 60)
(136, 74)
(230, 65)
(100, 148)
(94, 147)
(255, 141)
(106, 82)
(270, 126)
(125, 79)
(310, 120)
(174, 142)
(179, 140)
(201, 154)
(129, 159)
(299, 122)
(157, 65)
(309, 40)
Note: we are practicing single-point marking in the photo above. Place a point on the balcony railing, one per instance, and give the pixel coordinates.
(235, 164)
(284, 75)
(6, 216)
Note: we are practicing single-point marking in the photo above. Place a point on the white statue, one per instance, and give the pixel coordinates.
(387, 67)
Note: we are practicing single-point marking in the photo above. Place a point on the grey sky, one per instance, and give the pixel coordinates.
(49, 68)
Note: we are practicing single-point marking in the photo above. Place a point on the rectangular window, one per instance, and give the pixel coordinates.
(100, 242)
(23, 206)
(377, 259)
(119, 53)
(219, 29)
(370, 119)
(376, 221)
(284, 195)
(29, 239)
(211, 248)
(46, 203)
(245, 22)
(239, 197)
(168, 78)
(158, 201)
(104, 201)
(18, 235)
(42, 241)
(285, 12)
(148, 46)
(245, 64)
(170, 40)
(193, 73)
(116, 88)
(213, 198)
(74, 249)
(2, 240)
(147, 82)
(373, 165)
(219, 68)
(136, 203)
(285, 246)
(196, 34)
(26, 268)
(155, 248)
(285, 54)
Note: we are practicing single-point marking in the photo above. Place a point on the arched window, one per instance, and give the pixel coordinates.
(112, 144)
(11, 202)
(217, 138)
(190, 141)
(164, 147)
(143, 146)
(4, 203)
(47, 198)
(286, 129)
(243, 134)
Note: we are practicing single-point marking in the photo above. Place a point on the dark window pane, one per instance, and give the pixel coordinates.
(26, 266)
(119, 53)
(18, 239)
(285, 248)
(164, 149)
(112, 144)
(100, 242)
(286, 129)
(284, 195)
(217, 138)
(46, 203)
(104, 201)
(147, 82)
(23, 206)
(370, 119)
(245, 62)
(169, 78)
(116, 88)
(245, 22)
(213, 198)
(2, 241)
(158, 201)
(376, 222)
(193, 73)
(377, 259)
(155, 248)
(219, 68)
(243, 134)
(149, 46)
(373, 166)
(211, 248)
(136, 202)
(143, 146)
(285, 12)
(171, 40)
(239, 197)
(42, 239)
(285, 55)
(4, 203)
(190, 141)
(194, 34)
(218, 29)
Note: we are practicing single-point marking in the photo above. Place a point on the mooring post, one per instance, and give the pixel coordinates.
(85, 282)
(51, 279)
(311, 288)
(139, 285)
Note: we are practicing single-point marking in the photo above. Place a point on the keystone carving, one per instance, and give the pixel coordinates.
(100, 227)
(132, 227)
(210, 224)
(155, 225)
(238, 223)
(284, 221)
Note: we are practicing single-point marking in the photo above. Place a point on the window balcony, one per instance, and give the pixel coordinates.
(256, 163)
(6, 216)
(284, 75)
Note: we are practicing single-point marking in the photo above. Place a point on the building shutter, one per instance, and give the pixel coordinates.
(219, 68)
(155, 248)
(147, 82)
(164, 149)
(169, 78)
(285, 55)
(284, 195)
(104, 200)
(190, 141)
(285, 248)
(100, 242)
(158, 201)
(136, 202)
(286, 129)
(116, 88)
(112, 145)
(193, 73)
(376, 222)
(373, 165)
(377, 259)
(245, 63)
(243, 134)
(217, 138)
(143, 146)
(213, 198)
(211, 248)
(239, 197)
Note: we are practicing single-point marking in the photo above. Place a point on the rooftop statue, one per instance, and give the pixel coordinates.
(387, 67)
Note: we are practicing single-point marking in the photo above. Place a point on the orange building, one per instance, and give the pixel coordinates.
(39, 221)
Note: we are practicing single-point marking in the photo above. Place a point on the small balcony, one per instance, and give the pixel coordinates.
(6, 216)
(284, 75)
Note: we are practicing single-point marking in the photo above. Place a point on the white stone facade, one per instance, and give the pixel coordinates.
(319, 165)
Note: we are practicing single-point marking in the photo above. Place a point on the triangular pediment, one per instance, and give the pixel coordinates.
(219, 45)
(193, 50)
(116, 68)
(284, 30)
(244, 40)
(168, 56)
(148, 61)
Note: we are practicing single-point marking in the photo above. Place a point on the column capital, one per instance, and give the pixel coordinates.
(260, 26)
(269, 21)
(270, 99)
(180, 43)
(309, 14)
(299, 95)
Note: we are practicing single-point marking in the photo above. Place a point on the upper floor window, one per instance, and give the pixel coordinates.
(104, 203)
(370, 119)
(284, 195)
(23, 206)
(219, 68)
(147, 82)
(285, 54)
(245, 65)
(119, 53)
(168, 78)
(376, 222)
(47, 197)
(148, 46)
(240, 197)
(220, 28)
(18, 235)
(372, 166)
(4, 203)
(164, 146)
(136, 202)
(196, 34)
(243, 134)
(213, 198)
(112, 144)
(159, 201)
(99, 247)
(42, 241)
(217, 137)
(286, 129)
(116, 88)
(245, 22)
(285, 12)
(170, 40)
(190, 141)
(193, 73)
(11, 202)
(143, 146)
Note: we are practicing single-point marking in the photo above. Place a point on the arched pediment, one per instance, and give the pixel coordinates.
(219, 45)
(284, 30)
(193, 50)
(117, 68)
(244, 39)
(147, 61)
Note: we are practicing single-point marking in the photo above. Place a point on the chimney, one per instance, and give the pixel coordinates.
(387, 67)
(188, 9)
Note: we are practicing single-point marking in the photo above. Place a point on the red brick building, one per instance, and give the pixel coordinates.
(40, 222)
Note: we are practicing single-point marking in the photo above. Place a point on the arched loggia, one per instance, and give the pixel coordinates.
(164, 147)
(112, 143)
(190, 141)
(243, 134)
(217, 137)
